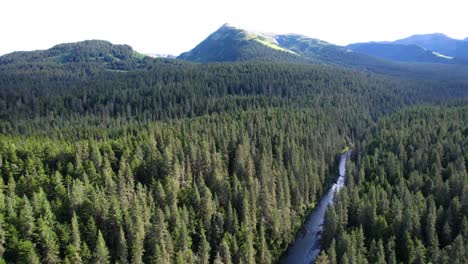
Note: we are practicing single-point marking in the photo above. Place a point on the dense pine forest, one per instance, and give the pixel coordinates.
(87, 88)
(107, 156)
(406, 197)
(231, 188)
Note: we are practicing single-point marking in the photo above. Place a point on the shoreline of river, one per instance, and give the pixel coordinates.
(306, 246)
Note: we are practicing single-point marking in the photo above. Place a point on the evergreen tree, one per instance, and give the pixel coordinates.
(122, 251)
(101, 253)
(204, 250)
(27, 253)
(264, 253)
(75, 233)
(322, 258)
(48, 243)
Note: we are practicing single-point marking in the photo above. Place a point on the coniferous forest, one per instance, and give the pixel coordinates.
(406, 197)
(107, 156)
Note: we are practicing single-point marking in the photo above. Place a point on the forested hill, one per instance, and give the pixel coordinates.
(93, 52)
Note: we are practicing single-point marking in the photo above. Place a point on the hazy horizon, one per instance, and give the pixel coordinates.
(177, 26)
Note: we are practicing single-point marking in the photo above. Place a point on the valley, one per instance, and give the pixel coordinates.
(223, 153)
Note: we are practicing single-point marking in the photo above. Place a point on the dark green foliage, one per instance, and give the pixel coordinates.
(406, 188)
(182, 191)
(62, 100)
(91, 52)
(170, 162)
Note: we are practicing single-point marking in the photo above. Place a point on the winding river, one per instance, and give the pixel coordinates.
(306, 246)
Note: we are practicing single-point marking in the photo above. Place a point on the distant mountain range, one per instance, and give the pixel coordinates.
(416, 54)
(439, 43)
(418, 48)
(399, 52)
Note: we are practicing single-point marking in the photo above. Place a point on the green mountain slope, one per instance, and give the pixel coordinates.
(229, 43)
(97, 52)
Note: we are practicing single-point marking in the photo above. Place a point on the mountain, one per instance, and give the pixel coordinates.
(319, 51)
(98, 52)
(229, 43)
(400, 52)
(439, 43)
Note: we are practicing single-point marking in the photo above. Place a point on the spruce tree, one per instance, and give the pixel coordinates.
(101, 253)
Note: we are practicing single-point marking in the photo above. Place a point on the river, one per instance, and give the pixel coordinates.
(306, 246)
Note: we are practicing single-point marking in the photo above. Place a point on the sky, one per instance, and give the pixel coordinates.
(175, 26)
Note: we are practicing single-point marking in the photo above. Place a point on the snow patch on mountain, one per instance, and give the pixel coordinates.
(442, 56)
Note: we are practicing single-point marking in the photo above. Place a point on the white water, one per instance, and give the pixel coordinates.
(306, 246)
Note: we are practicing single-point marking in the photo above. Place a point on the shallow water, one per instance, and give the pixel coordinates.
(306, 245)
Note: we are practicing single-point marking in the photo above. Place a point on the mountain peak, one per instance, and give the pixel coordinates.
(437, 42)
(230, 43)
(228, 25)
(429, 36)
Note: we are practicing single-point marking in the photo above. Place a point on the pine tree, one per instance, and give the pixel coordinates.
(75, 233)
(332, 258)
(247, 248)
(264, 253)
(204, 250)
(330, 226)
(161, 256)
(85, 253)
(430, 228)
(420, 253)
(122, 251)
(457, 251)
(377, 252)
(48, 242)
(101, 253)
(72, 255)
(26, 221)
(91, 233)
(225, 252)
(27, 253)
(2, 233)
(138, 236)
(322, 258)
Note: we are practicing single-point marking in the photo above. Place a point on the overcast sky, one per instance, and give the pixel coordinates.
(175, 26)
